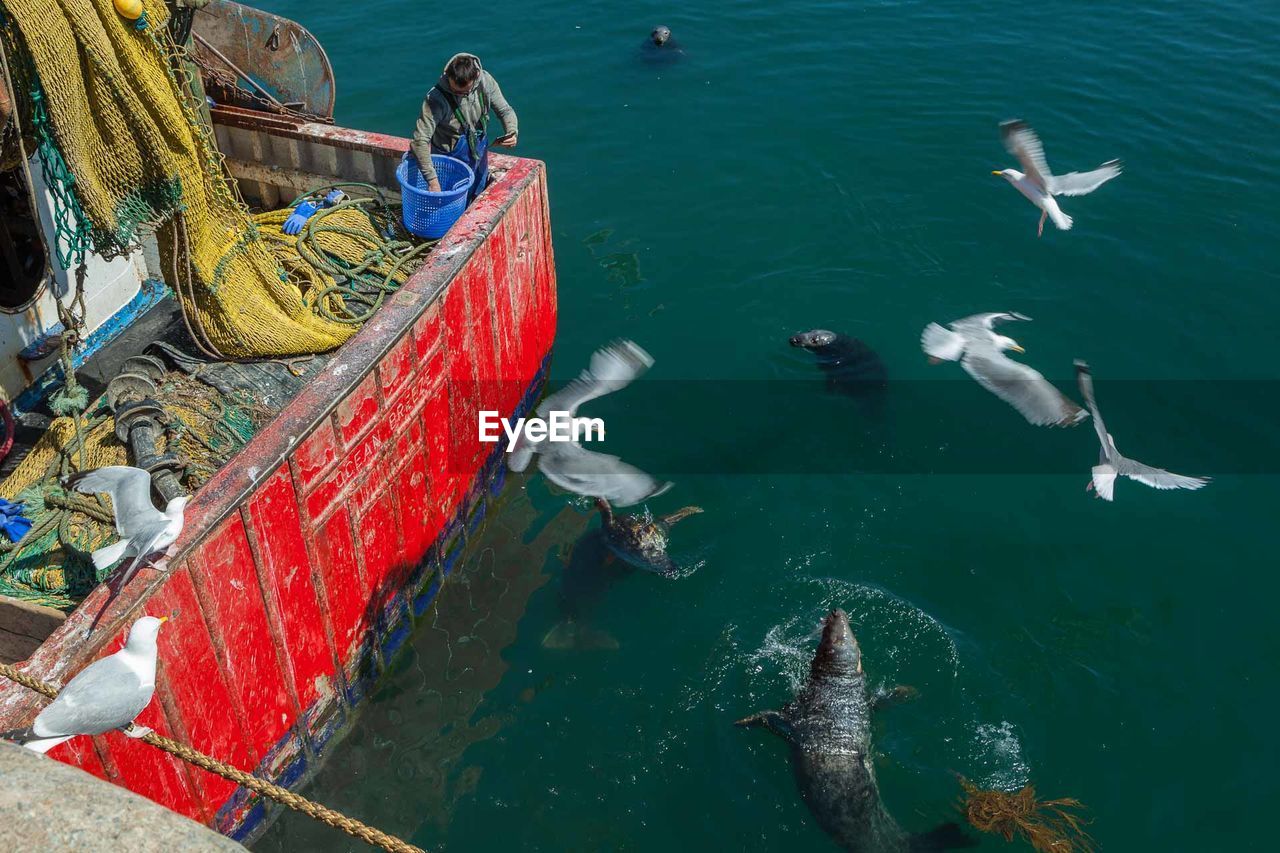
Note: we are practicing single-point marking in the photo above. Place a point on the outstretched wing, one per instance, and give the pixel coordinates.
(1157, 478)
(942, 343)
(130, 491)
(1022, 142)
(987, 321)
(598, 475)
(1084, 379)
(1023, 388)
(520, 455)
(1083, 183)
(612, 368)
(1104, 475)
(1104, 481)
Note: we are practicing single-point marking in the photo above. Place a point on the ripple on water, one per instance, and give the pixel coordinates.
(895, 635)
(902, 643)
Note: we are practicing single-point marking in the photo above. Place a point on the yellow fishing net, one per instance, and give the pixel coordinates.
(130, 135)
(123, 145)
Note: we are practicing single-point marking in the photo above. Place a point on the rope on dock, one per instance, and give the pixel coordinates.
(351, 826)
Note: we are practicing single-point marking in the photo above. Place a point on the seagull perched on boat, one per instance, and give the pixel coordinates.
(974, 343)
(143, 529)
(570, 465)
(1040, 185)
(1112, 463)
(107, 694)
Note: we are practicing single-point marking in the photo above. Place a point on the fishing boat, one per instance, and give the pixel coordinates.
(307, 556)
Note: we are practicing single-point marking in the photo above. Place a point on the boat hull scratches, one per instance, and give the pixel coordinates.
(304, 561)
(245, 817)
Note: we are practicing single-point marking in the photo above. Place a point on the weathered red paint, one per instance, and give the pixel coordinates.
(380, 543)
(226, 583)
(358, 412)
(340, 571)
(292, 603)
(317, 454)
(394, 370)
(81, 752)
(464, 400)
(504, 302)
(154, 774)
(201, 687)
(411, 485)
(298, 553)
(349, 473)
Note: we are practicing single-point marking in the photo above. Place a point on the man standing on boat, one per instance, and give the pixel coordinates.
(455, 118)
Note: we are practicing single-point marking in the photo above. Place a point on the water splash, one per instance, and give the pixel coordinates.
(997, 760)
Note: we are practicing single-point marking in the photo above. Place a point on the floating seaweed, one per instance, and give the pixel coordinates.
(1049, 826)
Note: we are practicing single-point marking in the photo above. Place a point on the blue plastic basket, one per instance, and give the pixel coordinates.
(429, 214)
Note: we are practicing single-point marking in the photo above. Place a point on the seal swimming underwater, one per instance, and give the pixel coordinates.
(641, 540)
(852, 367)
(828, 726)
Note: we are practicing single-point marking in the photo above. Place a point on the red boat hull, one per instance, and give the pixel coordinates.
(305, 560)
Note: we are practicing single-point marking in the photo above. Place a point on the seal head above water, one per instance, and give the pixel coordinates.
(851, 367)
(660, 48)
(828, 726)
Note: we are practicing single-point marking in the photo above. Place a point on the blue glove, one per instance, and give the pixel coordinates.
(304, 211)
(16, 528)
(12, 521)
(334, 197)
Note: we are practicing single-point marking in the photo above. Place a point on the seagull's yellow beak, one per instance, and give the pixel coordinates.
(164, 619)
(1016, 348)
(997, 174)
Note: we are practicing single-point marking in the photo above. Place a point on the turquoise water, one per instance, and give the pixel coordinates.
(827, 164)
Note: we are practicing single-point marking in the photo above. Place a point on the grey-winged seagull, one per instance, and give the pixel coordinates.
(143, 529)
(107, 694)
(571, 466)
(974, 343)
(1040, 185)
(1110, 461)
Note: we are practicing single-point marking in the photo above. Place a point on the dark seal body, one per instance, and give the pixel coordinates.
(851, 367)
(828, 727)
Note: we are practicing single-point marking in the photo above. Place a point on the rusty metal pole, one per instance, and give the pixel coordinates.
(137, 422)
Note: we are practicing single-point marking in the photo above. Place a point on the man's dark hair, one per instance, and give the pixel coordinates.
(464, 69)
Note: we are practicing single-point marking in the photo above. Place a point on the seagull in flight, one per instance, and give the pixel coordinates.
(1040, 185)
(1111, 463)
(570, 465)
(143, 529)
(974, 343)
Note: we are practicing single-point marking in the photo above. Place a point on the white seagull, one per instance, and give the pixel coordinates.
(571, 466)
(143, 529)
(1040, 185)
(107, 694)
(973, 342)
(1111, 462)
